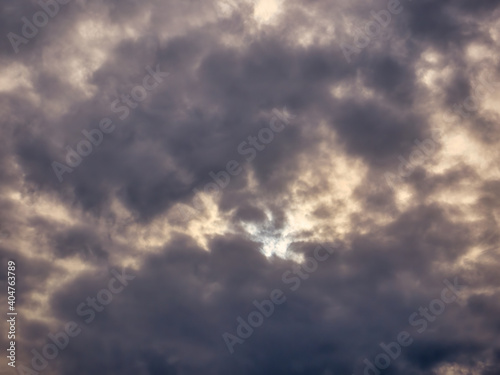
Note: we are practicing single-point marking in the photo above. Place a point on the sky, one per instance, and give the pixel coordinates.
(250, 187)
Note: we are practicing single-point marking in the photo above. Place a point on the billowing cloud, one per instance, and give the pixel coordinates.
(327, 167)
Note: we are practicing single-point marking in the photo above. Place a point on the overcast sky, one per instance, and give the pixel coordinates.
(166, 166)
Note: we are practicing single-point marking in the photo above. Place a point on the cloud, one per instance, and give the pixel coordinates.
(321, 180)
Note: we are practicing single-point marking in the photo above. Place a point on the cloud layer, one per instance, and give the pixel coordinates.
(346, 168)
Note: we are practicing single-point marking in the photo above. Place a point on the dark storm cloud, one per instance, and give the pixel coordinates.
(374, 132)
(396, 251)
(78, 241)
(334, 320)
(235, 84)
(249, 213)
